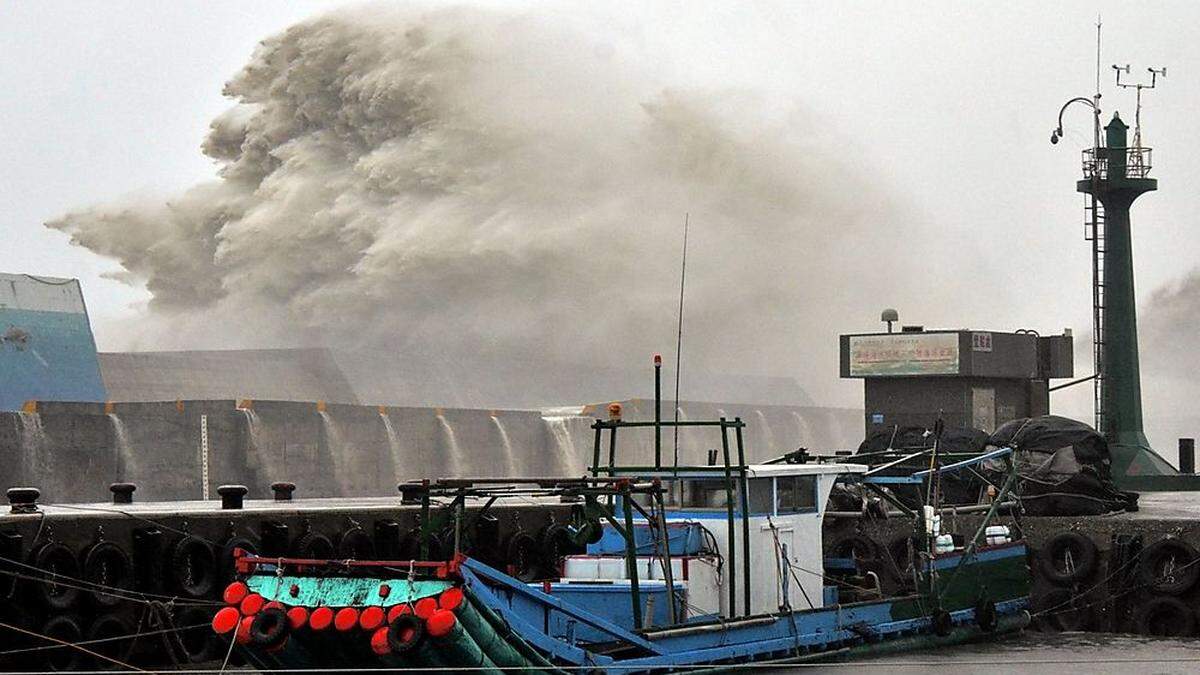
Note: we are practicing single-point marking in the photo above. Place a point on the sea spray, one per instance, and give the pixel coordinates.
(126, 456)
(396, 450)
(510, 455)
(452, 184)
(453, 462)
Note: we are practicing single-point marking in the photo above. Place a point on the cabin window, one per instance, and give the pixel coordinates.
(708, 494)
(797, 494)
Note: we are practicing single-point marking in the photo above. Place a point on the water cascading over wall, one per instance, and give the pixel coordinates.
(73, 451)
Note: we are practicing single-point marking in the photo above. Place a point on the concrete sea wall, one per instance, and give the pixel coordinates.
(73, 451)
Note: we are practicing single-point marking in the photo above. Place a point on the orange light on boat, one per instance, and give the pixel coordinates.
(379, 642)
(243, 630)
(371, 618)
(251, 604)
(425, 608)
(320, 618)
(398, 610)
(345, 619)
(235, 592)
(225, 620)
(451, 599)
(297, 617)
(441, 623)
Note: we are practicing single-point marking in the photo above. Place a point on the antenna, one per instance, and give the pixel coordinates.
(1138, 87)
(679, 335)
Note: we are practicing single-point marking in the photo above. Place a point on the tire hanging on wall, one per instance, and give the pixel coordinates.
(942, 622)
(64, 627)
(195, 635)
(355, 544)
(1060, 611)
(855, 547)
(193, 567)
(1170, 566)
(522, 555)
(1068, 557)
(107, 565)
(1165, 616)
(56, 564)
(101, 633)
(225, 562)
(313, 545)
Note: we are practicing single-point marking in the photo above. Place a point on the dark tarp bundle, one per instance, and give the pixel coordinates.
(1063, 467)
(961, 487)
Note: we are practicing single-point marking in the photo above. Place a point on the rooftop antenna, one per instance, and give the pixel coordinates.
(679, 334)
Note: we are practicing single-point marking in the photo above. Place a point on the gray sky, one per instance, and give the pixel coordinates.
(947, 104)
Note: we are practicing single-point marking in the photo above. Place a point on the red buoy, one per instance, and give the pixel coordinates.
(379, 642)
(345, 619)
(397, 610)
(371, 618)
(251, 604)
(243, 630)
(425, 608)
(441, 623)
(320, 618)
(235, 592)
(274, 604)
(225, 620)
(451, 599)
(297, 617)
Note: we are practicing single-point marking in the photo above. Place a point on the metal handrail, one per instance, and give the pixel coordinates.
(1137, 162)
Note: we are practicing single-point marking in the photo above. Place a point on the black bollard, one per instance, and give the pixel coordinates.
(23, 499)
(122, 493)
(1187, 455)
(232, 496)
(283, 491)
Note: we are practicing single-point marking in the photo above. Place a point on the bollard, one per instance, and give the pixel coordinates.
(122, 493)
(232, 495)
(24, 499)
(283, 491)
(1187, 455)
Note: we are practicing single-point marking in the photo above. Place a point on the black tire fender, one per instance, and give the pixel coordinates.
(102, 630)
(356, 544)
(54, 560)
(313, 545)
(855, 547)
(1068, 557)
(1060, 611)
(1165, 616)
(941, 622)
(193, 567)
(270, 628)
(522, 554)
(405, 632)
(1170, 566)
(226, 565)
(985, 615)
(198, 641)
(63, 627)
(107, 565)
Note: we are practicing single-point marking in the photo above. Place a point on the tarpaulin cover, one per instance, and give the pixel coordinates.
(957, 488)
(1063, 467)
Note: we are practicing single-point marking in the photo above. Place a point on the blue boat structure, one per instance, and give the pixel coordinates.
(666, 568)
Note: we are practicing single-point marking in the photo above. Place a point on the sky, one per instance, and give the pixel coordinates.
(945, 106)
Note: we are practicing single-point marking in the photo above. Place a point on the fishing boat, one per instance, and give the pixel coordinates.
(676, 567)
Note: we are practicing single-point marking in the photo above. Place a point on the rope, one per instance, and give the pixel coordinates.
(118, 638)
(94, 587)
(64, 643)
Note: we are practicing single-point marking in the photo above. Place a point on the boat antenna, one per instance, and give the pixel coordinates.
(679, 334)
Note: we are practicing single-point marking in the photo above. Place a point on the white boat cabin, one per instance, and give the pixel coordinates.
(786, 507)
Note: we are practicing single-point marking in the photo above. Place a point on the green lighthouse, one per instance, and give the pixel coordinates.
(1116, 175)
